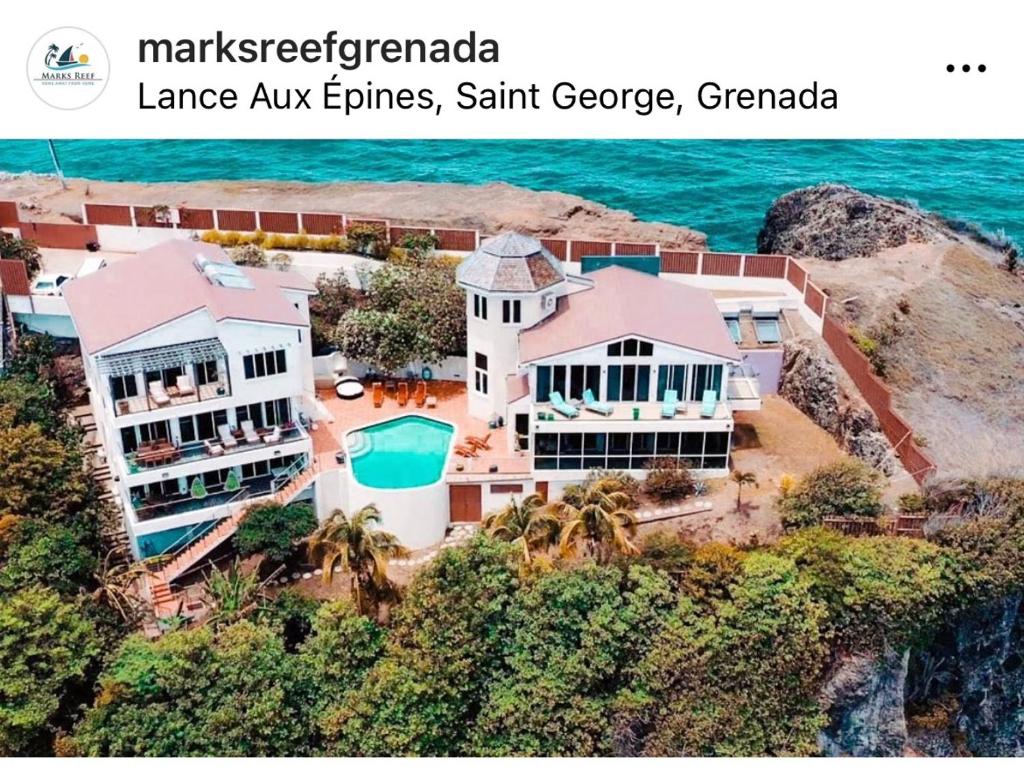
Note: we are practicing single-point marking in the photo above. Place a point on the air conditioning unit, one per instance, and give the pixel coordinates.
(547, 302)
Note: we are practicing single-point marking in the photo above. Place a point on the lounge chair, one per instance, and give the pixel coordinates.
(213, 448)
(421, 393)
(563, 407)
(709, 403)
(249, 432)
(272, 436)
(227, 439)
(185, 387)
(466, 451)
(159, 393)
(403, 393)
(669, 404)
(378, 394)
(478, 443)
(590, 402)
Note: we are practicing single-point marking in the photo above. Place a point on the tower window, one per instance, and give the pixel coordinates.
(511, 311)
(479, 306)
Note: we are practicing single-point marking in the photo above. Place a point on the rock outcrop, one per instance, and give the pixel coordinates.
(990, 664)
(863, 697)
(836, 222)
(809, 380)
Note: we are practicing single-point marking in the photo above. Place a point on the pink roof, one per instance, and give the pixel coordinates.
(517, 386)
(161, 284)
(626, 302)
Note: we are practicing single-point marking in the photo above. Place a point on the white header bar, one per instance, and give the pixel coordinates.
(886, 63)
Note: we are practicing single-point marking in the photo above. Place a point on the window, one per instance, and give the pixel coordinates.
(207, 423)
(631, 347)
(671, 378)
(629, 383)
(706, 377)
(574, 451)
(543, 383)
(187, 429)
(122, 387)
(767, 329)
(153, 432)
(511, 311)
(733, 324)
(480, 306)
(480, 372)
(264, 364)
(129, 442)
(206, 372)
(510, 488)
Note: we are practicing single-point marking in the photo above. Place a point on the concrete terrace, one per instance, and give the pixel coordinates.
(451, 396)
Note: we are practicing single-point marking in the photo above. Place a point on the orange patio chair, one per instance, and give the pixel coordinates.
(378, 394)
(466, 451)
(421, 393)
(478, 443)
(403, 393)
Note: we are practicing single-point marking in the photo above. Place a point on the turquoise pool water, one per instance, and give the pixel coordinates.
(157, 543)
(722, 188)
(406, 452)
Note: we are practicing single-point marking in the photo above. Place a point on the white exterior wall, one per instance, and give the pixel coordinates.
(238, 338)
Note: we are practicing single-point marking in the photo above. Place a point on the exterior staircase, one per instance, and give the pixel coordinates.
(158, 582)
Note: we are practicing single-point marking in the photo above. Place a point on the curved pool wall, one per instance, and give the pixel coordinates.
(418, 516)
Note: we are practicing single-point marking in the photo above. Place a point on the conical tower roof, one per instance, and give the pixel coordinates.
(510, 263)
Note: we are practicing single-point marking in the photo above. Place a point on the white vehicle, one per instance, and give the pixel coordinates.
(49, 284)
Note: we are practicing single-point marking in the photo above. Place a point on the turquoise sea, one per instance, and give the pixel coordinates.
(722, 188)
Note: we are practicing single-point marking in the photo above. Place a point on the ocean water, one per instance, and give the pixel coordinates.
(722, 188)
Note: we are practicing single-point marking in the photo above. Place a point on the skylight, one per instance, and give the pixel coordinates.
(223, 274)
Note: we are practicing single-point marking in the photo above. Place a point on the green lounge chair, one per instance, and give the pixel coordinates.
(590, 402)
(669, 404)
(709, 404)
(563, 407)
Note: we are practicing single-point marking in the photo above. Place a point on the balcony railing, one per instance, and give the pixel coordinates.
(169, 505)
(631, 411)
(171, 396)
(163, 454)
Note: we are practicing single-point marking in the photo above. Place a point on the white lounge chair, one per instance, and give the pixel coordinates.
(185, 387)
(226, 437)
(159, 393)
(273, 436)
(249, 432)
(213, 448)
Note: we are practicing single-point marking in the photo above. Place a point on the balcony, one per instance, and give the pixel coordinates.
(165, 377)
(161, 506)
(744, 388)
(631, 411)
(171, 397)
(162, 454)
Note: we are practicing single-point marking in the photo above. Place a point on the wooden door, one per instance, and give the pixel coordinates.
(542, 490)
(464, 503)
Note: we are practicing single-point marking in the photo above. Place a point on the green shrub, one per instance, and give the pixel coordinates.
(273, 530)
(668, 479)
(847, 488)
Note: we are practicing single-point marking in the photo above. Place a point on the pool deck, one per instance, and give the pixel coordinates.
(452, 407)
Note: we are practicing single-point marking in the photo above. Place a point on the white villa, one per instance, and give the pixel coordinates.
(200, 377)
(626, 339)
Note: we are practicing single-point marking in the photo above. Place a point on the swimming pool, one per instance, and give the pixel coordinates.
(409, 451)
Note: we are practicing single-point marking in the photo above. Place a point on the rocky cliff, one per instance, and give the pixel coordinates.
(810, 381)
(962, 694)
(835, 222)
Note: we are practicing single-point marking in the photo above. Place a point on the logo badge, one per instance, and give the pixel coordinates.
(68, 68)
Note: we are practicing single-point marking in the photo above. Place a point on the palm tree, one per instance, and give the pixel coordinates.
(530, 525)
(234, 594)
(361, 550)
(742, 478)
(597, 515)
(117, 584)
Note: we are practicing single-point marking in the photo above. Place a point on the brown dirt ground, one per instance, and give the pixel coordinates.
(955, 366)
